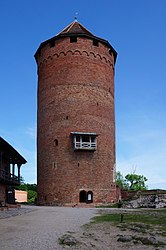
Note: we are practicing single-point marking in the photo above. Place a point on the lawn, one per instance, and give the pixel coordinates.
(154, 219)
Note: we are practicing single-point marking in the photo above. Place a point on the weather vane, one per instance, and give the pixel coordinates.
(76, 14)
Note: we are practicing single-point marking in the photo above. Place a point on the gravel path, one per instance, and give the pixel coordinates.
(40, 227)
(15, 211)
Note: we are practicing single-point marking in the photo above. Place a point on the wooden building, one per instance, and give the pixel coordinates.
(10, 165)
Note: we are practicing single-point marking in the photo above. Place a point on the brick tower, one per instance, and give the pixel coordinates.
(75, 119)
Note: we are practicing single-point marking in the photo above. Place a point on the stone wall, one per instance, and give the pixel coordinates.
(146, 199)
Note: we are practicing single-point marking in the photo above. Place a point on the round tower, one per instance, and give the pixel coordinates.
(75, 119)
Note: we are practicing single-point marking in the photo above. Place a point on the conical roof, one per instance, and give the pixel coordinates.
(75, 28)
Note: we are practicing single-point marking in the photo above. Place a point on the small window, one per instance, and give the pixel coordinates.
(73, 39)
(52, 43)
(56, 142)
(84, 141)
(95, 42)
(89, 197)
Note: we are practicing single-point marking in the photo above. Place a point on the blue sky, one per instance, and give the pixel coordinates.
(136, 29)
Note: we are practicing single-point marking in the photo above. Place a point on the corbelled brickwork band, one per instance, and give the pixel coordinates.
(75, 119)
(78, 52)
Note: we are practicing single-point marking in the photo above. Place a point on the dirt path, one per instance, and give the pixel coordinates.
(40, 227)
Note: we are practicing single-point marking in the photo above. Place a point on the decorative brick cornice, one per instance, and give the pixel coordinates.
(80, 53)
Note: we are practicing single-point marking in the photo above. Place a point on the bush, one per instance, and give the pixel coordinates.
(32, 195)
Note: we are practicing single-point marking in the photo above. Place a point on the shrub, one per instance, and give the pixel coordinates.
(32, 195)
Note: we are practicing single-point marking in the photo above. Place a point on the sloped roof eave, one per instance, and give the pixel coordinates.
(6, 147)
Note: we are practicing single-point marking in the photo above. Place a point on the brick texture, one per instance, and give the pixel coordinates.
(75, 94)
(3, 188)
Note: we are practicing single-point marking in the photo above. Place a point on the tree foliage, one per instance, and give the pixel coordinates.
(120, 181)
(32, 195)
(26, 187)
(136, 182)
(131, 181)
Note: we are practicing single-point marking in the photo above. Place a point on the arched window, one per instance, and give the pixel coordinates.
(56, 142)
(83, 196)
(89, 197)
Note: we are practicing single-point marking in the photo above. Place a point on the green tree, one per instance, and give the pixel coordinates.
(120, 181)
(26, 187)
(136, 182)
(32, 187)
(32, 195)
(131, 181)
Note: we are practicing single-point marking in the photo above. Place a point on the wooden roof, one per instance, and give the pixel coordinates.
(11, 153)
(75, 28)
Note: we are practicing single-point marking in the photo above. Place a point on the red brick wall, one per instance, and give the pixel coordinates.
(3, 192)
(75, 94)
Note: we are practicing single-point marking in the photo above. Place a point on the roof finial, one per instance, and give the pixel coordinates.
(75, 18)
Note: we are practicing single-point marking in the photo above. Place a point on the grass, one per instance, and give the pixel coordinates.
(115, 205)
(144, 224)
(154, 218)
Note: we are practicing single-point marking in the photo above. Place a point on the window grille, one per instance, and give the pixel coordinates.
(84, 141)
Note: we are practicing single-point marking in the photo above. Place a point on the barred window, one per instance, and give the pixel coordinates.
(84, 141)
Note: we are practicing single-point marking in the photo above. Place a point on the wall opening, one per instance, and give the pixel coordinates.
(73, 39)
(82, 196)
(95, 43)
(56, 142)
(10, 195)
(52, 43)
(86, 197)
(89, 197)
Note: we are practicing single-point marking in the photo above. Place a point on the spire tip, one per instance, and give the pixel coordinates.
(75, 18)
